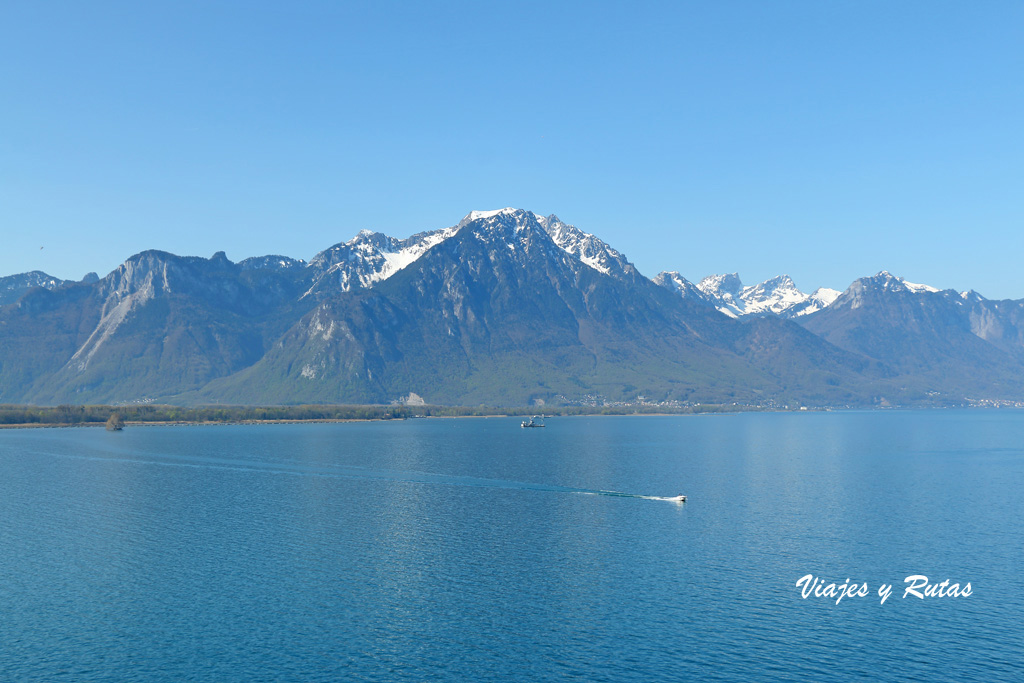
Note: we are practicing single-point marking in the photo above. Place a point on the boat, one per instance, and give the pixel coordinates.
(678, 499)
(534, 421)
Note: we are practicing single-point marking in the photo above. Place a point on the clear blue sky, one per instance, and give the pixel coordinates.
(827, 140)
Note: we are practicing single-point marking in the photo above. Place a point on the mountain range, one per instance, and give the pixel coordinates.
(506, 307)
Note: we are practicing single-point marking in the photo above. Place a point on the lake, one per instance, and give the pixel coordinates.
(473, 550)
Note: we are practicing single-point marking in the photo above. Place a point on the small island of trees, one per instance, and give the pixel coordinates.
(115, 422)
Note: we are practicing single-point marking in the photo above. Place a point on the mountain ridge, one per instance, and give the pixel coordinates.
(504, 307)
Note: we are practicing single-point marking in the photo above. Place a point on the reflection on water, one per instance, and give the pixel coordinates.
(473, 549)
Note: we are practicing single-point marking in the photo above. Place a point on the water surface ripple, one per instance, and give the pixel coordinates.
(465, 550)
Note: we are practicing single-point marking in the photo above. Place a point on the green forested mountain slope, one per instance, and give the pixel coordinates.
(505, 308)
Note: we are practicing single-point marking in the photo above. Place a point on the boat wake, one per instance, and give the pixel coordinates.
(620, 494)
(341, 471)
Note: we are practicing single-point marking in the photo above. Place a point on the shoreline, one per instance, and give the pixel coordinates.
(215, 423)
(185, 423)
(341, 420)
(14, 416)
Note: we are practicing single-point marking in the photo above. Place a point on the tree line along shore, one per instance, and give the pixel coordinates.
(85, 415)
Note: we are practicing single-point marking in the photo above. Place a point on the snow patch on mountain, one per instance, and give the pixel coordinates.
(371, 257)
(478, 215)
(395, 261)
(586, 247)
(725, 291)
(919, 288)
(583, 246)
(775, 296)
(884, 281)
(273, 262)
(887, 280)
(674, 282)
(13, 286)
(825, 295)
(894, 282)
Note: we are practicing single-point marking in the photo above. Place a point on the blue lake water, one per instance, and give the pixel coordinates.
(474, 550)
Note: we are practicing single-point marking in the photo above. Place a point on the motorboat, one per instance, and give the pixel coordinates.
(534, 421)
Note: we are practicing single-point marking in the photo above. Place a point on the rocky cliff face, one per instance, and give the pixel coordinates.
(941, 340)
(497, 312)
(506, 306)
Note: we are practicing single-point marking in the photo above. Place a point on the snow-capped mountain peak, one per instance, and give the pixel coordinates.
(919, 288)
(718, 285)
(776, 296)
(825, 296)
(673, 281)
(887, 280)
(884, 282)
(478, 215)
(371, 257)
(724, 291)
(586, 247)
